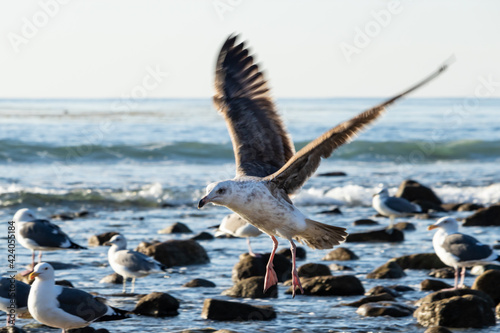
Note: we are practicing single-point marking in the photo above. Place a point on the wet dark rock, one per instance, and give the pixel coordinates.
(383, 235)
(401, 288)
(64, 283)
(333, 174)
(215, 309)
(428, 206)
(249, 266)
(371, 299)
(62, 217)
(199, 283)
(405, 226)
(252, 287)
(177, 252)
(88, 329)
(434, 285)
(391, 309)
(312, 270)
(203, 236)
(337, 267)
(365, 222)
(443, 273)
(450, 206)
(343, 285)
(489, 216)
(469, 207)
(379, 290)
(437, 329)
(489, 282)
(389, 270)
(497, 311)
(457, 311)
(420, 261)
(12, 329)
(335, 211)
(341, 254)
(412, 190)
(113, 278)
(444, 294)
(300, 253)
(176, 228)
(157, 304)
(99, 240)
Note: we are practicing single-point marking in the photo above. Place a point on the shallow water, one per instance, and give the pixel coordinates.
(121, 166)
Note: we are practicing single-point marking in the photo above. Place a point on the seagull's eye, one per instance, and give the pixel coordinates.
(46, 268)
(221, 191)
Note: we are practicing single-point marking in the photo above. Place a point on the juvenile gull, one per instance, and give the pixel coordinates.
(236, 226)
(393, 206)
(128, 263)
(41, 235)
(258, 193)
(66, 308)
(459, 250)
(19, 291)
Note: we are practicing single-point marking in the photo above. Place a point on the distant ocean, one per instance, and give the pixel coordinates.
(142, 165)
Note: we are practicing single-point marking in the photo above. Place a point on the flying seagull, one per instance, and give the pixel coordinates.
(259, 193)
(393, 206)
(41, 235)
(236, 226)
(66, 308)
(128, 263)
(12, 289)
(459, 250)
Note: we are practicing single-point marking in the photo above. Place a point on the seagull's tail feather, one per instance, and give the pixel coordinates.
(321, 236)
(114, 314)
(77, 247)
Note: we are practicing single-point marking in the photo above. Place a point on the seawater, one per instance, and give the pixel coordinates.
(140, 168)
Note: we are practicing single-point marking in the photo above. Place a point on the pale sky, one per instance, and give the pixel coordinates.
(329, 48)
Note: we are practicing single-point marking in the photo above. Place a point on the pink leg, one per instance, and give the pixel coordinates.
(26, 272)
(462, 278)
(250, 252)
(295, 275)
(271, 278)
(39, 257)
(456, 277)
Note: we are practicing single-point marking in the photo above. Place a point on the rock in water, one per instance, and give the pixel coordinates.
(489, 282)
(197, 283)
(300, 253)
(249, 266)
(383, 235)
(340, 253)
(371, 299)
(343, 285)
(389, 270)
(458, 311)
(176, 228)
(434, 285)
(489, 216)
(11, 329)
(99, 240)
(391, 309)
(253, 287)
(420, 261)
(215, 309)
(412, 190)
(157, 305)
(312, 270)
(176, 252)
(437, 329)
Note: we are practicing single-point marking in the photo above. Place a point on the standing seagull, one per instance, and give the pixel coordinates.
(236, 226)
(65, 308)
(393, 206)
(459, 250)
(128, 263)
(258, 193)
(10, 290)
(41, 235)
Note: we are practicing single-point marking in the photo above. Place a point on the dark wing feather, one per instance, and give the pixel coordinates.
(466, 248)
(298, 169)
(81, 304)
(260, 142)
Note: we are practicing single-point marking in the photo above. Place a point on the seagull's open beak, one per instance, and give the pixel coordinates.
(202, 202)
(33, 275)
(432, 226)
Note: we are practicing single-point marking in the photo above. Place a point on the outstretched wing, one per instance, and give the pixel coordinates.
(298, 169)
(260, 142)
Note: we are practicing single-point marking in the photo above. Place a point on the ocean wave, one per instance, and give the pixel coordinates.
(408, 151)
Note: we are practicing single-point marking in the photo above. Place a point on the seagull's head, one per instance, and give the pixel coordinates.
(24, 215)
(117, 240)
(218, 193)
(43, 271)
(448, 224)
(383, 192)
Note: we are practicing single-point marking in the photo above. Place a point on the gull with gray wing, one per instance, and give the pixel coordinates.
(236, 226)
(258, 193)
(393, 206)
(11, 289)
